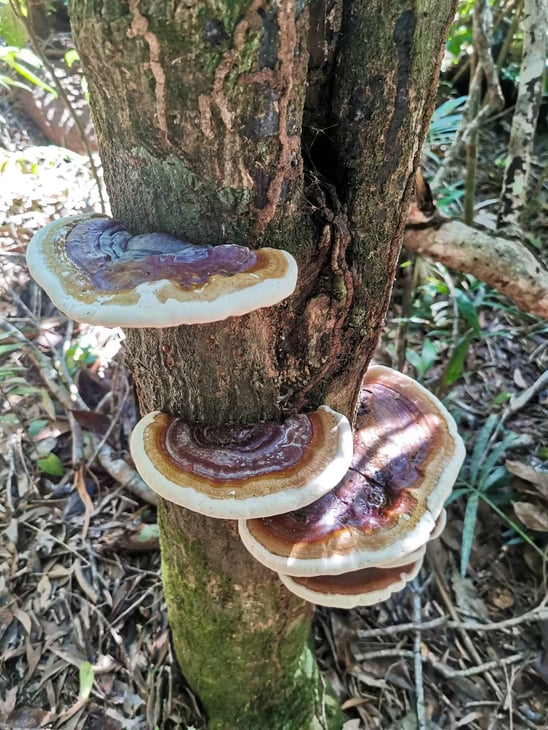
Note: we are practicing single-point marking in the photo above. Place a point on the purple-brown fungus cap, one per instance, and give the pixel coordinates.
(243, 471)
(95, 271)
(363, 587)
(407, 456)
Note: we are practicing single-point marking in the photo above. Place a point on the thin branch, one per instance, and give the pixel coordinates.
(402, 628)
(514, 189)
(540, 613)
(493, 101)
(482, 668)
(509, 36)
(469, 644)
(417, 658)
(506, 265)
(445, 670)
(536, 614)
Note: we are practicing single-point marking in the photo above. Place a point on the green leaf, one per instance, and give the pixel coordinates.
(26, 56)
(502, 397)
(86, 678)
(22, 389)
(148, 532)
(51, 464)
(429, 354)
(29, 75)
(495, 454)
(456, 362)
(467, 310)
(4, 349)
(71, 56)
(522, 533)
(413, 359)
(12, 30)
(9, 418)
(497, 475)
(7, 81)
(48, 404)
(455, 494)
(9, 371)
(481, 445)
(468, 529)
(36, 426)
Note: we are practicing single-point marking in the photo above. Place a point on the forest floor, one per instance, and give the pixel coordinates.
(84, 640)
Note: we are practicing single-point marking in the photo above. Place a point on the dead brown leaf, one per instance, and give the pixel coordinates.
(29, 717)
(80, 484)
(539, 479)
(85, 585)
(467, 599)
(33, 654)
(533, 516)
(96, 423)
(502, 598)
(23, 618)
(7, 705)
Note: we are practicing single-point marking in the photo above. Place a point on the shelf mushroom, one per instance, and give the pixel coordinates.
(95, 271)
(363, 587)
(407, 456)
(243, 471)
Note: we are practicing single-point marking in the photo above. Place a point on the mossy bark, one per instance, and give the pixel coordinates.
(296, 125)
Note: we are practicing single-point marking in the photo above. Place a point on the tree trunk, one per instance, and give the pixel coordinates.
(296, 125)
(520, 149)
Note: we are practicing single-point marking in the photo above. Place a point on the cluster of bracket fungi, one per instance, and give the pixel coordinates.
(343, 516)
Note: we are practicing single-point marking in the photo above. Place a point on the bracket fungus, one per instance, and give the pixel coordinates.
(95, 271)
(239, 471)
(407, 456)
(363, 587)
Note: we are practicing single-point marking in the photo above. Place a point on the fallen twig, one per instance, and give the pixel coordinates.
(417, 658)
(540, 613)
(485, 667)
(469, 644)
(536, 614)
(402, 628)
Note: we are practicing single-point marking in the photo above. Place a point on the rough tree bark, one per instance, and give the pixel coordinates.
(292, 124)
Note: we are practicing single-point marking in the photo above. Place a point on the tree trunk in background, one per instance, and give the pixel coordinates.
(513, 198)
(296, 125)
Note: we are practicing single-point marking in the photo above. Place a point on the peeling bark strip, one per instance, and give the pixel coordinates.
(207, 146)
(504, 264)
(218, 100)
(516, 175)
(139, 28)
(290, 161)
